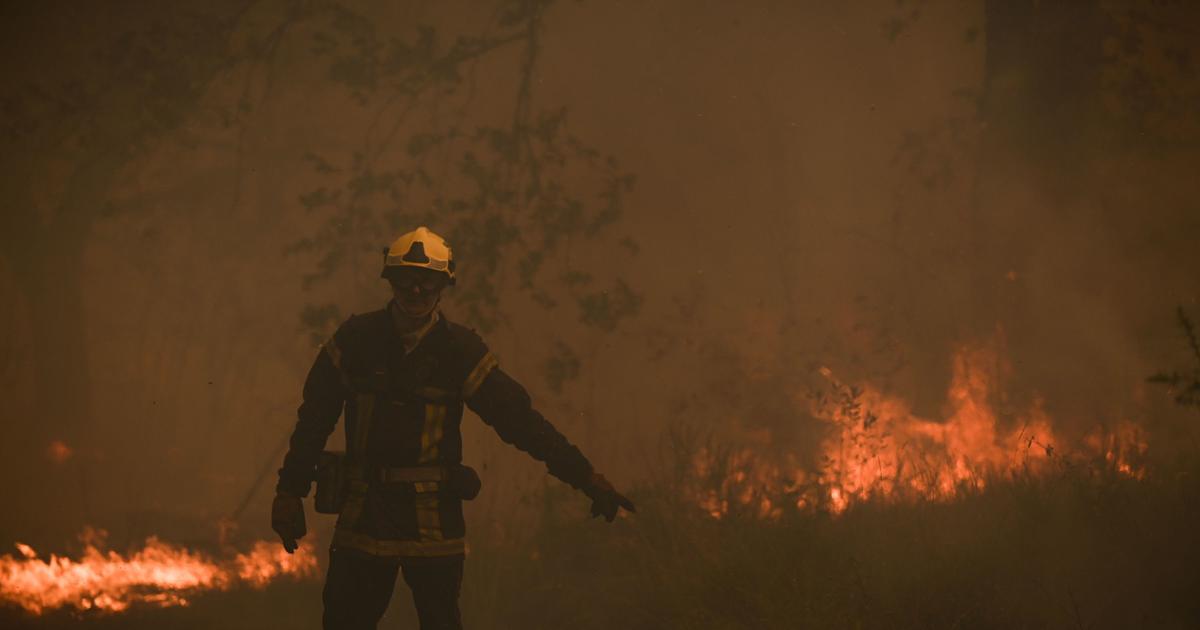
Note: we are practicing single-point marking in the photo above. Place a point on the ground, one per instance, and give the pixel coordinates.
(1074, 549)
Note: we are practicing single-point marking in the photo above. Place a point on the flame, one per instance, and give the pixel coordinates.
(267, 561)
(158, 574)
(877, 448)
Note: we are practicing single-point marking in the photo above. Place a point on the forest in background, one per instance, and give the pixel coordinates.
(668, 215)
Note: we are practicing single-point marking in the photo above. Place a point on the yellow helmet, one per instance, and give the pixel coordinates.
(419, 248)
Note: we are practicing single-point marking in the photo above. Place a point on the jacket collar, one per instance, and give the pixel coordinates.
(412, 338)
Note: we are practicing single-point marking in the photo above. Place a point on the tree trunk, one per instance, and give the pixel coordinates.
(49, 263)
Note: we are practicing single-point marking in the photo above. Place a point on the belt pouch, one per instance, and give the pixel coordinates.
(463, 481)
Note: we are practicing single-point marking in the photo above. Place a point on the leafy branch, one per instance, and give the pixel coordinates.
(1185, 387)
(514, 190)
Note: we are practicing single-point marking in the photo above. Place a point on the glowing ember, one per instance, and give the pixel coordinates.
(877, 448)
(743, 483)
(159, 574)
(1123, 450)
(59, 452)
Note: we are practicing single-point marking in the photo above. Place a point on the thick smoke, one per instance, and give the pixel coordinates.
(856, 186)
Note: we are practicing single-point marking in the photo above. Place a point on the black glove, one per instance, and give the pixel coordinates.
(287, 519)
(606, 501)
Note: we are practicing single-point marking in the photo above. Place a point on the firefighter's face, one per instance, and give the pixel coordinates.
(417, 291)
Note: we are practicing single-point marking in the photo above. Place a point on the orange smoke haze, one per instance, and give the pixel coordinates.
(719, 199)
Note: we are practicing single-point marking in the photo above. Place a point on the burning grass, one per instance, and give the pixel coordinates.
(1072, 547)
(1066, 550)
(982, 518)
(158, 574)
(876, 448)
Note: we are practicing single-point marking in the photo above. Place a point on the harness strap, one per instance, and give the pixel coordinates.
(429, 518)
(356, 490)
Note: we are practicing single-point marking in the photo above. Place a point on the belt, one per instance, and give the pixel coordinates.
(423, 478)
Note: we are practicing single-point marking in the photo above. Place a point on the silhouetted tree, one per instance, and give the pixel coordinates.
(513, 189)
(75, 117)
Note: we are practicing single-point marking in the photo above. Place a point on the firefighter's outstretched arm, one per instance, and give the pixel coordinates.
(324, 394)
(504, 404)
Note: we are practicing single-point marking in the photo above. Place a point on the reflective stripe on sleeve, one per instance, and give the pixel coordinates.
(335, 353)
(475, 378)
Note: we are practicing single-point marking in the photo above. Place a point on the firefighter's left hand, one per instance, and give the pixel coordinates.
(606, 501)
(287, 519)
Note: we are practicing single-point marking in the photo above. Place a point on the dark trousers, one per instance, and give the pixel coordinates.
(359, 586)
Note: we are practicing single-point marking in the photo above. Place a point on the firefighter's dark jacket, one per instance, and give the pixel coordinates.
(416, 402)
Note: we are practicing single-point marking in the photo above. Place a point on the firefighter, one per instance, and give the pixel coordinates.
(401, 376)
